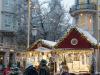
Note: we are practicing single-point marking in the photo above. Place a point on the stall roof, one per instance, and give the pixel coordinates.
(43, 49)
(86, 35)
(49, 43)
(42, 43)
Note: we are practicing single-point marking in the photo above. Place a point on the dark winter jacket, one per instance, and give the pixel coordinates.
(30, 71)
(44, 71)
(65, 73)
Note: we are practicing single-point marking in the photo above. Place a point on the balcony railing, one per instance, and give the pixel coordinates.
(2, 45)
(83, 6)
(7, 32)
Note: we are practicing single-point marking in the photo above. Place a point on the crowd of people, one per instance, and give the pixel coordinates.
(10, 69)
(44, 69)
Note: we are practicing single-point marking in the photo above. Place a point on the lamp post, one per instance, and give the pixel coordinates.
(29, 20)
(34, 29)
(34, 32)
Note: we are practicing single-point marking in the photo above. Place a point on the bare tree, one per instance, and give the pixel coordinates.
(49, 17)
(49, 20)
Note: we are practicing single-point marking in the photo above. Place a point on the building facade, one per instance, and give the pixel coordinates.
(22, 11)
(8, 28)
(86, 14)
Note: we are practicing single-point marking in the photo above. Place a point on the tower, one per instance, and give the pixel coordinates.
(85, 14)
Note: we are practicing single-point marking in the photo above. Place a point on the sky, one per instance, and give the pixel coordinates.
(68, 3)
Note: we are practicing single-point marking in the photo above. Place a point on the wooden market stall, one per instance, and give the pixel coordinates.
(77, 49)
(39, 50)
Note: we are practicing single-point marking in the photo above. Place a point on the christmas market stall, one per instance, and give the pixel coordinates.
(76, 50)
(39, 50)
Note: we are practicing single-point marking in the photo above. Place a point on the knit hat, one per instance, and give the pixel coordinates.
(43, 62)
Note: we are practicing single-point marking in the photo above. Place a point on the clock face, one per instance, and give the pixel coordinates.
(74, 41)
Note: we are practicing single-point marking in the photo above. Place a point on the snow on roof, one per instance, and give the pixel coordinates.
(49, 43)
(43, 49)
(88, 36)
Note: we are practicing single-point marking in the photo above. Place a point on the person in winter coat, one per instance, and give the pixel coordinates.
(43, 70)
(52, 66)
(65, 70)
(7, 70)
(30, 70)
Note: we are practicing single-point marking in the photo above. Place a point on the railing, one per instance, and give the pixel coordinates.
(15, 47)
(2, 45)
(82, 7)
(7, 33)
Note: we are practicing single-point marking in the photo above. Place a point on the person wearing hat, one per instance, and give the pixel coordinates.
(30, 70)
(44, 70)
(65, 70)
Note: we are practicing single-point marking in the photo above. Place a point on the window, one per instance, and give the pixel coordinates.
(1, 39)
(8, 21)
(88, 1)
(8, 4)
(90, 23)
(76, 19)
(76, 1)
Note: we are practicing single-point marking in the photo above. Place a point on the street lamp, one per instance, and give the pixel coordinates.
(34, 29)
(34, 32)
